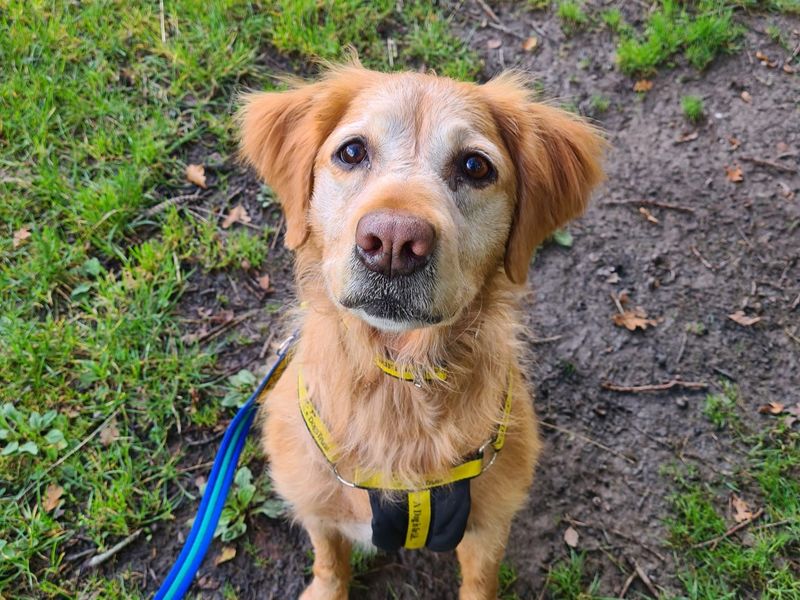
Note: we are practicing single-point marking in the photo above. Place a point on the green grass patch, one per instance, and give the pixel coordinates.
(699, 35)
(760, 560)
(96, 113)
(692, 107)
(419, 34)
(568, 579)
(572, 16)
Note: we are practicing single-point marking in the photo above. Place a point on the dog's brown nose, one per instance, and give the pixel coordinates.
(394, 244)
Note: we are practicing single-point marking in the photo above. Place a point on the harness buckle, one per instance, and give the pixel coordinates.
(481, 451)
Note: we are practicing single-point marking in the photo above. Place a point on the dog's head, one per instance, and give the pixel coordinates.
(416, 189)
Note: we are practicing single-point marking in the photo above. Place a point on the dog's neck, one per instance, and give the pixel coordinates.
(410, 429)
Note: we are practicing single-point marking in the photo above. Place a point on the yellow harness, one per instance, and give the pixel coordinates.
(419, 499)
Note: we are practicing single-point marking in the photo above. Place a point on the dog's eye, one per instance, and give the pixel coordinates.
(476, 167)
(353, 152)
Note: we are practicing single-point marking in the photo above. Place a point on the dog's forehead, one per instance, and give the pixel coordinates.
(422, 107)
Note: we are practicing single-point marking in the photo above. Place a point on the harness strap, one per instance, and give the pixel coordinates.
(390, 368)
(470, 468)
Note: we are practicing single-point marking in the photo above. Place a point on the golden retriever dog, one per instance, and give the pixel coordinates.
(414, 204)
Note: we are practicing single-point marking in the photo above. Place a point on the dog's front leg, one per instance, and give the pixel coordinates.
(480, 554)
(331, 564)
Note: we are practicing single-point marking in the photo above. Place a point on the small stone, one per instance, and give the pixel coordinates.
(681, 402)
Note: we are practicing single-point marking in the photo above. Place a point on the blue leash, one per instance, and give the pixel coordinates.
(219, 482)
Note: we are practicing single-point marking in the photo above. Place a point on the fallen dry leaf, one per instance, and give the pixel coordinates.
(109, 434)
(741, 510)
(734, 142)
(52, 496)
(571, 537)
(787, 68)
(21, 236)
(772, 408)
(643, 85)
(238, 214)
(742, 319)
(494, 44)
(794, 410)
(530, 44)
(746, 97)
(228, 552)
(687, 137)
(786, 191)
(647, 215)
(196, 174)
(734, 173)
(263, 282)
(634, 319)
(764, 59)
(206, 582)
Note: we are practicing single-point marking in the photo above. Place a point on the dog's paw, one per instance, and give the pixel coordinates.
(325, 590)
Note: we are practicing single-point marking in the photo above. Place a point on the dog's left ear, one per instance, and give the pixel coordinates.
(281, 133)
(557, 159)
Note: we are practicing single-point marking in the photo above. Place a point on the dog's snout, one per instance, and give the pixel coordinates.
(394, 244)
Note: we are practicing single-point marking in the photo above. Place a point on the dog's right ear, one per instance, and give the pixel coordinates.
(281, 133)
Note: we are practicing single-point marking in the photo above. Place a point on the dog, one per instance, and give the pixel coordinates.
(414, 204)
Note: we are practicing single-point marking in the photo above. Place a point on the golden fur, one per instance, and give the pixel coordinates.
(547, 164)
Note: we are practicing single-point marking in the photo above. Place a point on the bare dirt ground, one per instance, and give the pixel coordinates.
(717, 247)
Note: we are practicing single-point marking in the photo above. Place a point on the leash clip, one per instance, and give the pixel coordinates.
(286, 344)
(341, 479)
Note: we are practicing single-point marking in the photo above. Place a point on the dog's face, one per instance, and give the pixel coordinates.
(416, 189)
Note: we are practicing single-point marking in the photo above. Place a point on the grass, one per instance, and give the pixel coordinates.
(97, 114)
(571, 15)
(567, 579)
(700, 35)
(761, 560)
(692, 107)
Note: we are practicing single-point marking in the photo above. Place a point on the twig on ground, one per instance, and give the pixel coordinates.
(220, 329)
(617, 303)
(769, 163)
(654, 387)
(277, 233)
(265, 347)
(644, 578)
(699, 256)
(161, 19)
(655, 203)
(487, 9)
(627, 585)
(791, 335)
(505, 29)
(162, 206)
(724, 373)
(682, 348)
(546, 340)
(714, 541)
(588, 440)
(101, 558)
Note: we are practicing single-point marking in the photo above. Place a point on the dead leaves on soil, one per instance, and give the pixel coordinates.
(791, 413)
(633, 319)
(228, 553)
(741, 510)
(238, 214)
(734, 173)
(643, 85)
(21, 236)
(530, 44)
(742, 319)
(52, 496)
(571, 537)
(196, 174)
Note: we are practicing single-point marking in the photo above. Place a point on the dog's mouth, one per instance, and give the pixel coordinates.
(392, 303)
